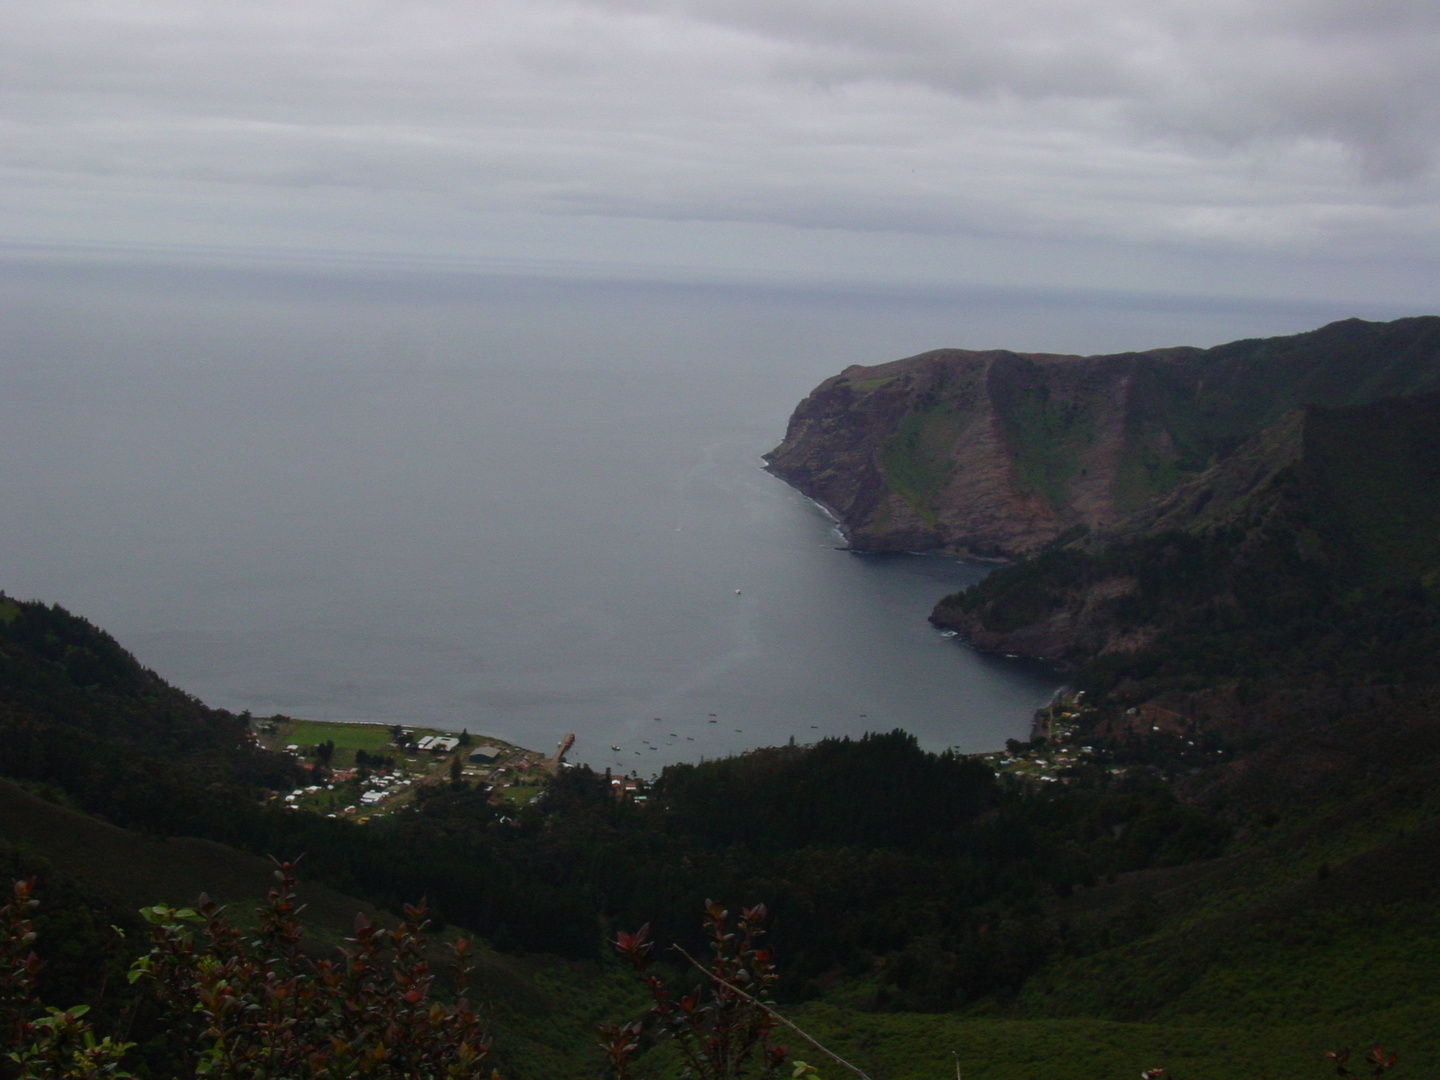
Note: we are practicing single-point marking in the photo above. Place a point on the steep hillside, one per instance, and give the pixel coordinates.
(998, 453)
(78, 712)
(1321, 503)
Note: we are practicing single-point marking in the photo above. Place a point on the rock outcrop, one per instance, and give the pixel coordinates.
(983, 453)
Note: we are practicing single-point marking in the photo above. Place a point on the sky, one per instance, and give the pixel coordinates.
(1271, 148)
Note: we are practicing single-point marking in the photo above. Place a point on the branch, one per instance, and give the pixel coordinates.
(773, 1014)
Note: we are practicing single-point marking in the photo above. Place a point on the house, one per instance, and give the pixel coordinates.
(621, 786)
(485, 755)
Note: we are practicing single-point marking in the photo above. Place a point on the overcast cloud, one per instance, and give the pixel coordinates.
(1205, 134)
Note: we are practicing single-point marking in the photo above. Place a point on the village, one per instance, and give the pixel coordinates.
(1053, 753)
(363, 771)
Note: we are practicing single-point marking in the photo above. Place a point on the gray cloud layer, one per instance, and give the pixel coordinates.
(1230, 125)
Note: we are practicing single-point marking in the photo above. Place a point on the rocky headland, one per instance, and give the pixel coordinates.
(998, 454)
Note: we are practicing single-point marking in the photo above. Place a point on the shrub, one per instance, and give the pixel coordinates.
(238, 1006)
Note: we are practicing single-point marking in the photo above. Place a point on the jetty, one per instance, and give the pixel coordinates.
(558, 758)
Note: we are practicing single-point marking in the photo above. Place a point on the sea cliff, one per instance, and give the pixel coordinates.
(1000, 453)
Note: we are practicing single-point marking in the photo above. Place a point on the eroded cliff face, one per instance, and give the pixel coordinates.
(833, 447)
(980, 453)
(1071, 604)
(998, 453)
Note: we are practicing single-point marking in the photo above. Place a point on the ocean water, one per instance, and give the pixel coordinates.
(524, 507)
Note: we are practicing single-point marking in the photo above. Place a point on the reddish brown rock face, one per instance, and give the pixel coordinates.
(998, 453)
(990, 454)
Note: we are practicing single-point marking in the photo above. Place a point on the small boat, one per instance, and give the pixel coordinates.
(615, 748)
(737, 592)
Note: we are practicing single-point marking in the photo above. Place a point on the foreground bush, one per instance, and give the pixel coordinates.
(252, 1006)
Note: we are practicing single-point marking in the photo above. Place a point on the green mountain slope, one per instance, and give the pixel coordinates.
(1271, 542)
(1265, 637)
(78, 712)
(120, 791)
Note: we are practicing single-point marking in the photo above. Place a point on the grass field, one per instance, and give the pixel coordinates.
(372, 738)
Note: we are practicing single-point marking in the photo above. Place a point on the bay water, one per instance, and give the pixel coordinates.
(518, 506)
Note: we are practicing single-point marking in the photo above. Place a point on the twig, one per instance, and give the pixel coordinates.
(788, 1023)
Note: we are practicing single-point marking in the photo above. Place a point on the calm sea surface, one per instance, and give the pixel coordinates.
(521, 508)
